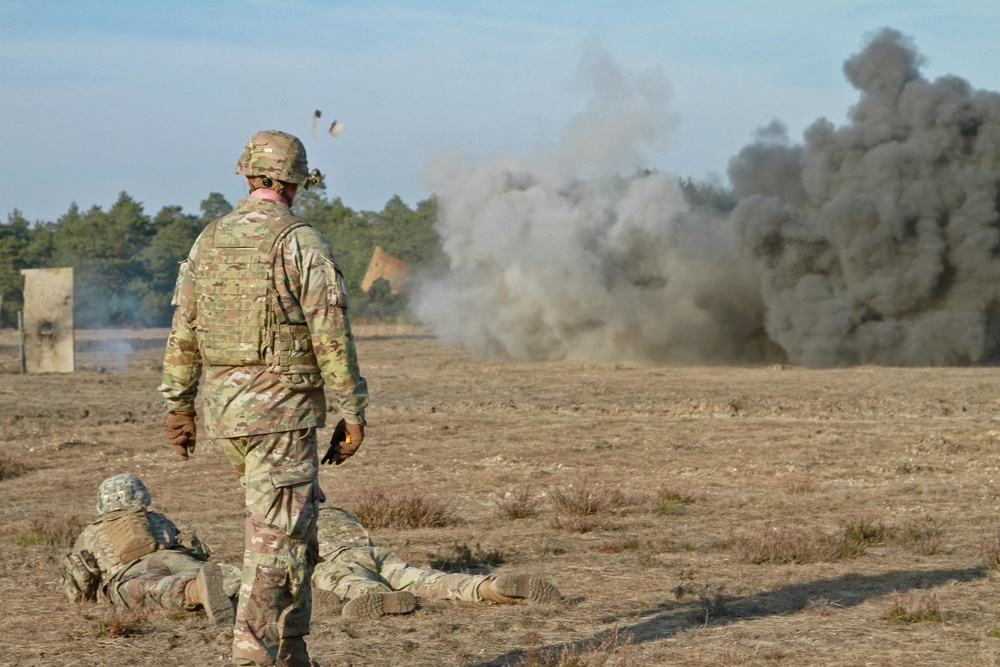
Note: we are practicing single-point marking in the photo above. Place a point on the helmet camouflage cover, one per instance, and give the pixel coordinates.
(277, 155)
(122, 492)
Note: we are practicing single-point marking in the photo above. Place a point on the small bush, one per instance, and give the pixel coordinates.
(11, 467)
(51, 529)
(117, 622)
(463, 558)
(578, 524)
(864, 530)
(517, 504)
(780, 543)
(925, 609)
(586, 498)
(615, 650)
(926, 534)
(379, 508)
(710, 603)
(990, 550)
(669, 501)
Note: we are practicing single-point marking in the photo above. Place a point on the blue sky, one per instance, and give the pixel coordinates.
(158, 98)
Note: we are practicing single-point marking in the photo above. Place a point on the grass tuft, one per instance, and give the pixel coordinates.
(615, 650)
(51, 529)
(669, 501)
(925, 534)
(924, 609)
(117, 622)
(11, 466)
(792, 544)
(587, 498)
(380, 508)
(517, 504)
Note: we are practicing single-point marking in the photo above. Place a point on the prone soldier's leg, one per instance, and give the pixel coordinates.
(158, 578)
(426, 582)
(351, 574)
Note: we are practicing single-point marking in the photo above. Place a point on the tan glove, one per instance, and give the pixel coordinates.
(345, 441)
(181, 431)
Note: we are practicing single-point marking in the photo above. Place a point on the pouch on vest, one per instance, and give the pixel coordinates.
(130, 536)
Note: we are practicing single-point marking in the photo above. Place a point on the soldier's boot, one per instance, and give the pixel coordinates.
(327, 600)
(511, 588)
(373, 605)
(206, 590)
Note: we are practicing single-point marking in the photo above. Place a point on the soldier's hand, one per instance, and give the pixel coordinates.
(181, 431)
(345, 441)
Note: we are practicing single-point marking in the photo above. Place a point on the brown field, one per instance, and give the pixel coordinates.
(741, 516)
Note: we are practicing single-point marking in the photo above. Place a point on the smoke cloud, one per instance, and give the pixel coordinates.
(878, 242)
(555, 257)
(874, 242)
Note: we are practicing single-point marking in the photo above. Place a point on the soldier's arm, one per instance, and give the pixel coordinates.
(324, 305)
(181, 361)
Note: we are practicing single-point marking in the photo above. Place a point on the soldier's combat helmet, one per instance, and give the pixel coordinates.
(279, 156)
(122, 492)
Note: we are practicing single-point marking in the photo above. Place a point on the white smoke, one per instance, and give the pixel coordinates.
(555, 256)
(879, 241)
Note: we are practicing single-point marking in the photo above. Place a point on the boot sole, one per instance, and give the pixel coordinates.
(218, 606)
(375, 605)
(537, 591)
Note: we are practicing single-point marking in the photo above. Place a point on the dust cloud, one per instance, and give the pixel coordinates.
(872, 242)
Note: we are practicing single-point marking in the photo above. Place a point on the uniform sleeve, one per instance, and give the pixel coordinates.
(323, 300)
(181, 361)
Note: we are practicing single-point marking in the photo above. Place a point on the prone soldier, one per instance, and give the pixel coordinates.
(131, 556)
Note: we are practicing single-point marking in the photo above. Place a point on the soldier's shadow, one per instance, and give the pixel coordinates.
(669, 618)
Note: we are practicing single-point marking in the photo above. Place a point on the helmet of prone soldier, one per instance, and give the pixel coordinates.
(122, 492)
(278, 156)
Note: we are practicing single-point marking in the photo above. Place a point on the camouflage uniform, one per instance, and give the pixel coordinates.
(171, 560)
(261, 314)
(351, 565)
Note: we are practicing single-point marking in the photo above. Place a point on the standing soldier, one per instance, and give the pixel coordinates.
(261, 311)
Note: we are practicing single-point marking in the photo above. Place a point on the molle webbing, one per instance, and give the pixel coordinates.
(236, 300)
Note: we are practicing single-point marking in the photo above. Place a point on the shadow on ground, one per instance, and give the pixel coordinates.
(669, 618)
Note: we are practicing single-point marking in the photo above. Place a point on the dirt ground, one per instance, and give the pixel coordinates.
(731, 499)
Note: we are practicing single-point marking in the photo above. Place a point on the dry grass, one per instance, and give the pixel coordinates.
(52, 528)
(781, 543)
(922, 608)
(521, 503)
(383, 508)
(614, 650)
(116, 622)
(11, 466)
(784, 533)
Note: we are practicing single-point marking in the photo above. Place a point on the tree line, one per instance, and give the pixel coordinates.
(125, 261)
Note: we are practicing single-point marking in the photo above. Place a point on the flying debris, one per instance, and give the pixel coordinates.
(336, 127)
(316, 114)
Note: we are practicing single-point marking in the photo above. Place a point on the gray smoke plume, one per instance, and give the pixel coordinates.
(555, 257)
(879, 241)
(874, 242)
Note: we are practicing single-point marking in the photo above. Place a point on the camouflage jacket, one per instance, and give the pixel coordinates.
(338, 530)
(96, 542)
(251, 399)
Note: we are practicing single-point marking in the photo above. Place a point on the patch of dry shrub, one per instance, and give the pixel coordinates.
(615, 650)
(924, 608)
(517, 504)
(52, 529)
(789, 543)
(463, 558)
(381, 508)
(11, 466)
(587, 498)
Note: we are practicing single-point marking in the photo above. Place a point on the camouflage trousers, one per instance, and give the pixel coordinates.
(279, 472)
(360, 570)
(160, 578)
